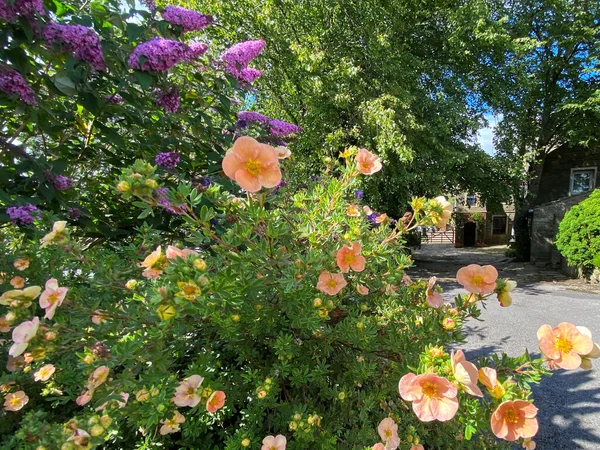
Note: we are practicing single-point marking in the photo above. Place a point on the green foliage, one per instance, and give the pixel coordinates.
(578, 238)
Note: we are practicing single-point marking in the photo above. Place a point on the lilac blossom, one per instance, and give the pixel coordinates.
(23, 215)
(239, 56)
(358, 194)
(10, 10)
(114, 99)
(161, 54)
(12, 83)
(281, 128)
(167, 160)
(196, 50)
(163, 200)
(206, 182)
(82, 42)
(169, 100)
(74, 214)
(275, 127)
(281, 184)
(61, 183)
(187, 19)
(150, 4)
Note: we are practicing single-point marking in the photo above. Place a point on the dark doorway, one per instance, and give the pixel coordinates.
(469, 234)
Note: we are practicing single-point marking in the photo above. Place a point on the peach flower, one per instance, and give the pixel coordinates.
(21, 336)
(44, 373)
(283, 152)
(215, 401)
(252, 165)
(478, 279)
(57, 235)
(172, 425)
(80, 438)
(154, 264)
(441, 211)
(433, 397)
(353, 211)
(174, 252)
(378, 446)
(434, 299)
(406, 280)
(417, 447)
(367, 162)
(52, 297)
(186, 394)
(505, 287)
(84, 398)
(586, 360)
(350, 258)
(98, 317)
(514, 419)
(17, 282)
(388, 431)
(362, 290)
(528, 444)
(15, 401)
(489, 378)
(21, 263)
(465, 373)
(4, 325)
(98, 377)
(14, 364)
(564, 344)
(278, 442)
(331, 283)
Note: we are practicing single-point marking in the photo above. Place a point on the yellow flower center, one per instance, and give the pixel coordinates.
(253, 166)
(189, 290)
(511, 416)
(388, 433)
(53, 298)
(15, 401)
(171, 423)
(349, 258)
(563, 345)
(498, 391)
(365, 165)
(477, 280)
(331, 284)
(430, 390)
(191, 391)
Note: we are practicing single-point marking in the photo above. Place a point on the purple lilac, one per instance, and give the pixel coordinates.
(113, 99)
(249, 75)
(168, 101)
(358, 194)
(13, 83)
(61, 183)
(150, 4)
(187, 19)
(74, 214)
(251, 116)
(168, 160)
(162, 198)
(9, 11)
(196, 50)
(23, 215)
(82, 42)
(161, 54)
(281, 128)
(275, 127)
(239, 56)
(373, 219)
(206, 182)
(281, 184)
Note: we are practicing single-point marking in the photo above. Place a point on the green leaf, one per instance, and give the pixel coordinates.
(144, 78)
(64, 84)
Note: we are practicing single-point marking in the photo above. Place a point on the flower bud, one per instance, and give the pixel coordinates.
(293, 425)
(10, 317)
(96, 431)
(235, 317)
(152, 184)
(142, 395)
(123, 186)
(317, 302)
(199, 264)
(50, 335)
(342, 396)
(449, 324)
(166, 312)
(297, 417)
(131, 284)
(246, 442)
(360, 325)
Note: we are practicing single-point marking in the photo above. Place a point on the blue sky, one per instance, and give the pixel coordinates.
(486, 135)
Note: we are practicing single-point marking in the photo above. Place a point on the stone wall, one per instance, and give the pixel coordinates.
(544, 227)
(556, 174)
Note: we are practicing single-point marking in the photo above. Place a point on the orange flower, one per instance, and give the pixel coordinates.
(514, 419)
(388, 430)
(367, 163)
(564, 344)
(17, 282)
(528, 444)
(353, 211)
(489, 378)
(21, 263)
(350, 258)
(362, 290)
(434, 299)
(278, 442)
(252, 165)
(215, 401)
(16, 401)
(417, 447)
(331, 283)
(465, 373)
(154, 263)
(378, 446)
(478, 279)
(433, 397)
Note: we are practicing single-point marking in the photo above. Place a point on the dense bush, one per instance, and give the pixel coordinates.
(578, 238)
(276, 317)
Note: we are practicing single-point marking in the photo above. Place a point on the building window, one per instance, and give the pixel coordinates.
(582, 180)
(499, 225)
(471, 200)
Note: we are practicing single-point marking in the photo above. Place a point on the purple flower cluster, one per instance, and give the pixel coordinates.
(167, 160)
(13, 83)
(275, 127)
(23, 215)
(187, 19)
(74, 214)
(168, 101)
(150, 4)
(61, 183)
(82, 42)
(373, 219)
(239, 56)
(358, 194)
(281, 184)
(162, 198)
(114, 99)
(10, 10)
(206, 182)
(162, 54)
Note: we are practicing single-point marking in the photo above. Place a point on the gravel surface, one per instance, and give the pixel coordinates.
(568, 401)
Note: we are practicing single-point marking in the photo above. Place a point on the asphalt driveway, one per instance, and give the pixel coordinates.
(568, 401)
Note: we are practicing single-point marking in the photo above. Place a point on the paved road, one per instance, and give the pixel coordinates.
(569, 401)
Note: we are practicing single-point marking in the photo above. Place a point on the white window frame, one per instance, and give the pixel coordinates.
(505, 224)
(582, 169)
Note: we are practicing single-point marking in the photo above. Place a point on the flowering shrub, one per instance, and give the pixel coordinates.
(284, 320)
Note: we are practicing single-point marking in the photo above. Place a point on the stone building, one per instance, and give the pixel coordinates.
(474, 225)
(569, 175)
